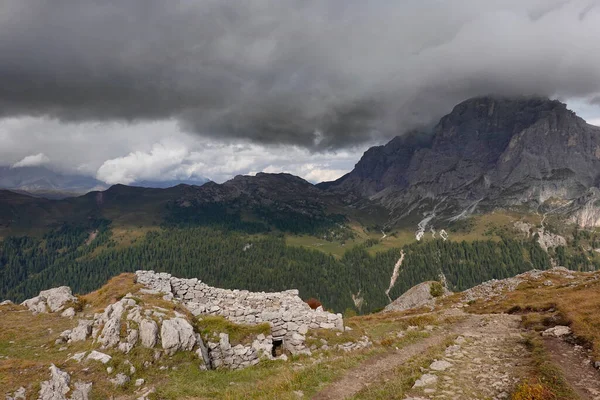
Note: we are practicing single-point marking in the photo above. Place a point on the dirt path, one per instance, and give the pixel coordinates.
(374, 368)
(576, 368)
(485, 362)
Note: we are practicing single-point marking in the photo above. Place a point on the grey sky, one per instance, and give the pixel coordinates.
(126, 88)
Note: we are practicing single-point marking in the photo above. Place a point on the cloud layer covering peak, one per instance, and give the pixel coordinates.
(33, 160)
(320, 75)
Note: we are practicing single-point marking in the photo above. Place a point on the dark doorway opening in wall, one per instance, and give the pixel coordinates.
(277, 347)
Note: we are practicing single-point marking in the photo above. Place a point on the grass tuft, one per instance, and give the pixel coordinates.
(213, 324)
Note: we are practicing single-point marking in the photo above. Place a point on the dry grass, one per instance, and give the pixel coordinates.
(546, 381)
(113, 291)
(381, 325)
(573, 302)
(238, 333)
(27, 345)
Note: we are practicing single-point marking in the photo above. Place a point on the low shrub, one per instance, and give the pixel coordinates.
(313, 303)
(436, 289)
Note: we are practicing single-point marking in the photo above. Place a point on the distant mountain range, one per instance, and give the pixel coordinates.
(523, 154)
(43, 182)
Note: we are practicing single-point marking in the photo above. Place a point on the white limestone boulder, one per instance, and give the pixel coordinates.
(148, 333)
(52, 300)
(557, 331)
(82, 331)
(98, 356)
(57, 387)
(177, 335)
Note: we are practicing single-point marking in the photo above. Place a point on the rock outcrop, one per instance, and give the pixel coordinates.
(111, 322)
(57, 387)
(51, 300)
(418, 296)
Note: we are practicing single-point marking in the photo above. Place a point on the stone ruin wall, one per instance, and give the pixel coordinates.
(290, 318)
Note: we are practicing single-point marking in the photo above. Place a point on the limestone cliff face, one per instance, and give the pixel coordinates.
(487, 153)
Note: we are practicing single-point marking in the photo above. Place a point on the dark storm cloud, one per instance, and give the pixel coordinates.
(322, 75)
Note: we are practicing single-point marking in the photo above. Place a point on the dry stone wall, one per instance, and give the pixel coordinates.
(290, 318)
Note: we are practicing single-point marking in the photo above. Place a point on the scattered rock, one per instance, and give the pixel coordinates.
(82, 391)
(82, 331)
(440, 365)
(19, 394)
(139, 382)
(57, 387)
(361, 343)
(557, 331)
(144, 395)
(68, 313)
(78, 356)
(120, 380)
(110, 336)
(425, 380)
(98, 356)
(417, 296)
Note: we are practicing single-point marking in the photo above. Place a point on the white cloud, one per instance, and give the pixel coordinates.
(324, 175)
(33, 160)
(164, 160)
(171, 159)
(594, 121)
(123, 153)
(314, 173)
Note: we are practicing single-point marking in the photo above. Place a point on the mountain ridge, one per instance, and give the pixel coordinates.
(40, 181)
(486, 153)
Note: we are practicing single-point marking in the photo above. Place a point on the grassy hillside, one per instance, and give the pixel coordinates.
(468, 333)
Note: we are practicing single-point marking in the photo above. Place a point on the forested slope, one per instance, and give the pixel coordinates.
(230, 259)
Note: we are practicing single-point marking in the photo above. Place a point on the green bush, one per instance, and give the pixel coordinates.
(436, 289)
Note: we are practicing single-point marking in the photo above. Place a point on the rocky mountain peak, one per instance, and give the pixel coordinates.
(494, 150)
